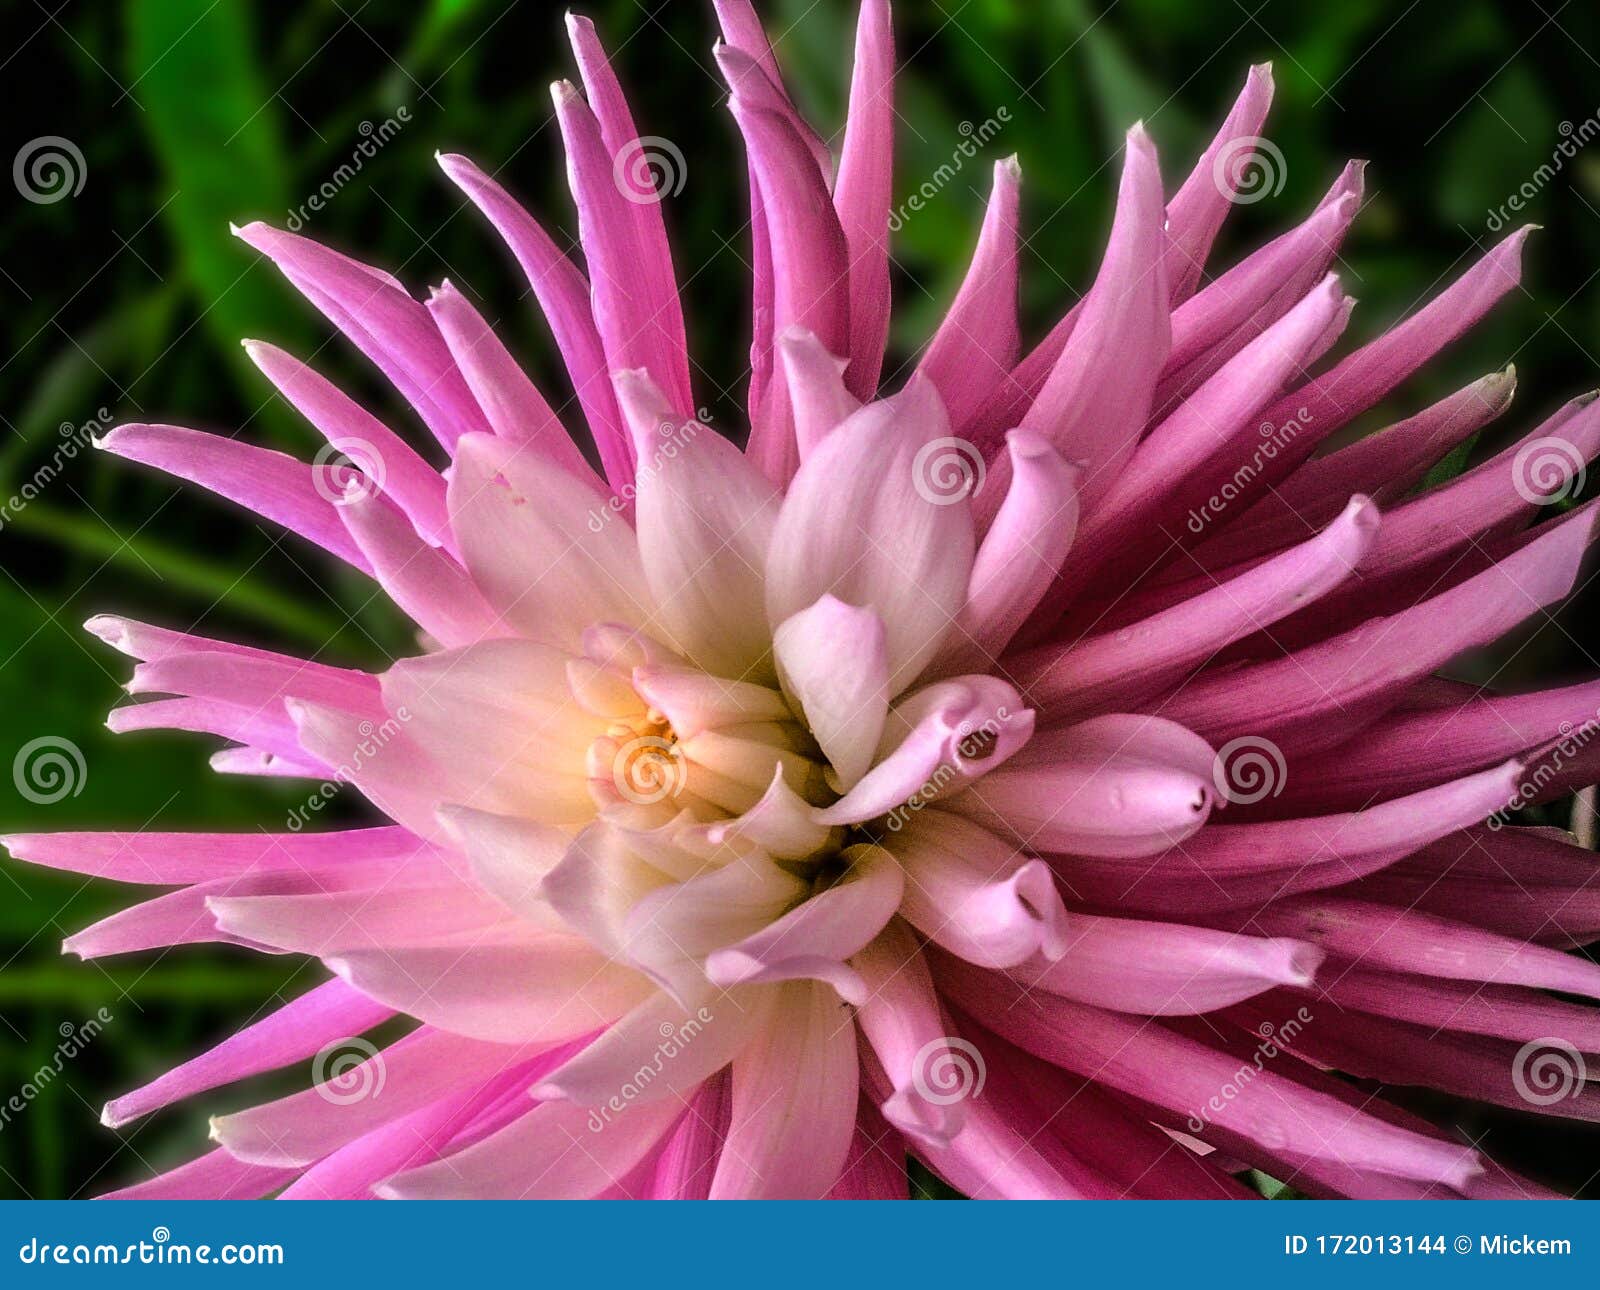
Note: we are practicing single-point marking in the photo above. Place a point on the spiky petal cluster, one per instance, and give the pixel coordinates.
(754, 818)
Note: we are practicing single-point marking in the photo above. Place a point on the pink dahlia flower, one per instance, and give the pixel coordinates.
(1040, 769)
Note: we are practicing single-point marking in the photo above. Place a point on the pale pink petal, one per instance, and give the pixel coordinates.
(935, 741)
(974, 893)
(422, 580)
(512, 405)
(705, 517)
(1165, 969)
(833, 658)
(794, 1102)
(817, 392)
(862, 521)
(551, 555)
(814, 939)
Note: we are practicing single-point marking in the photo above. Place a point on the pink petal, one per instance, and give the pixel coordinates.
(559, 1150)
(511, 404)
(1316, 696)
(640, 326)
(794, 1102)
(541, 993)
(900, 1018)
(806, 261)
(1133, 1056)
(864, 191)
(976, 345)
(622, 141)
(1197, 210)
(973, 893)
(375, 312)
(1163, 969)
(411, 1073)
(551, 555)
(833, 658)
(1095, 401)
(660, 1050)
(1099, 669)
(563, 295)
(370, 446)
(1131, 800)
(866, 481)
(817, 392)
(272, 484)
(814, 939)
(323, 1015)
(424, 582)
(217, 1175)
(1020, 555)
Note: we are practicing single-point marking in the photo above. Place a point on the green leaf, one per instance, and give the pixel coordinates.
(212, 122)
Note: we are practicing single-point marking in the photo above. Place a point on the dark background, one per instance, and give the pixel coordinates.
(130, 295)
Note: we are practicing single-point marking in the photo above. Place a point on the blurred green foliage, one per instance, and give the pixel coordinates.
(131, 295)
